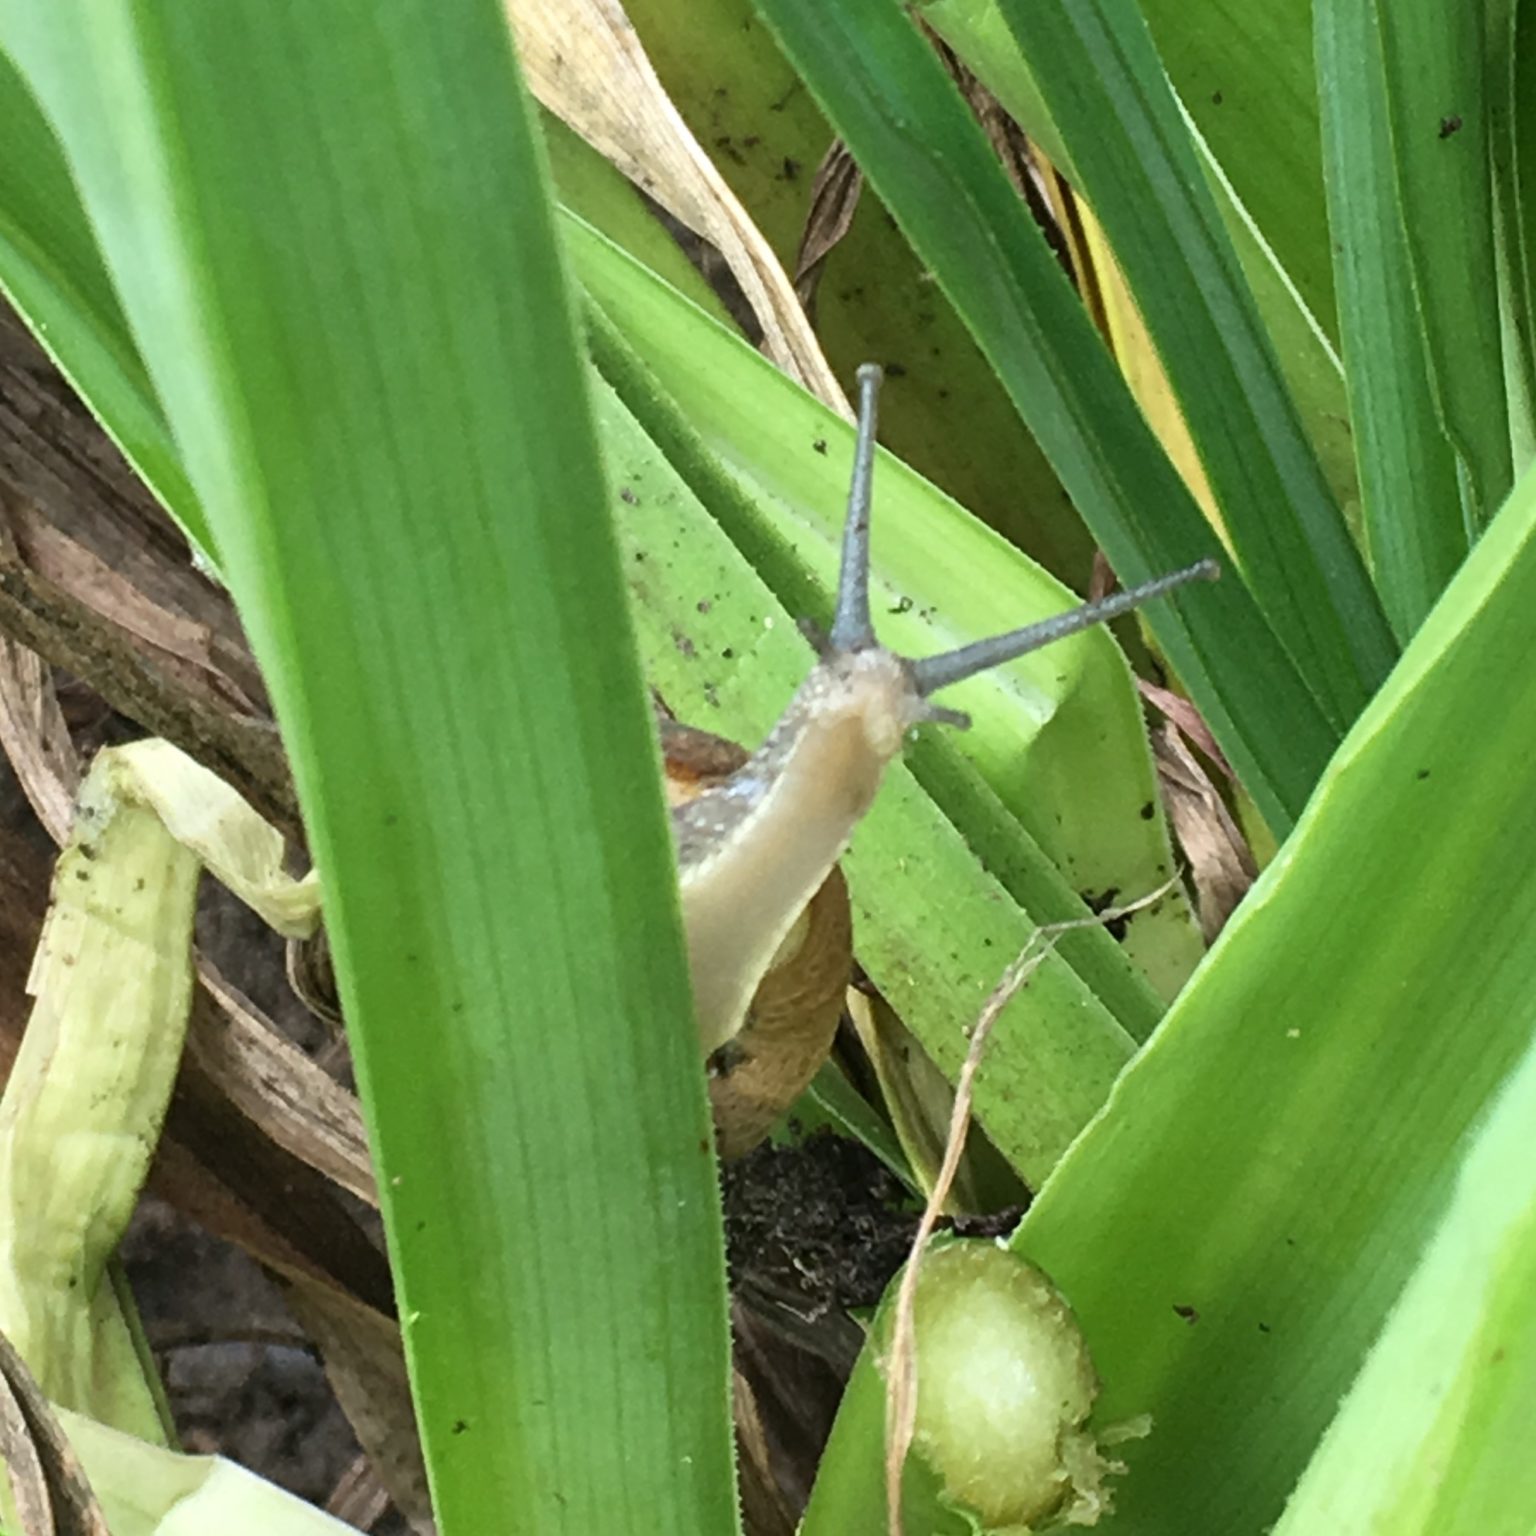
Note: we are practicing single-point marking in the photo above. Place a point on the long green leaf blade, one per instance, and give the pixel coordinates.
(1244, 74)
(1412, 506)
(1103, 83)
(329, 230)
(1235, 1229)
(1439, 101)
(52, 272)
(891, 102)
(1260, 142)
(1435, 1436)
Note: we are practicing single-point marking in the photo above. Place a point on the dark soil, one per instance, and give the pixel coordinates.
(820, 1226)
(243, 1381)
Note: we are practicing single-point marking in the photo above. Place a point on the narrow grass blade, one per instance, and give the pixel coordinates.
(1438, 99)
(1415, 530)
(1434, 1438)
(51, 270)
(1301, 340)
(1101, 78)
(1510, 44)
(1236, 1227)
(1244, 75)
(909, 130)
(330, 232)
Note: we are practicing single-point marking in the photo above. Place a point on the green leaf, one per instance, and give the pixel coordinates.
(942, 410)
(1101, 78)
(1510, 33)
(330, 232)
(1269, 126)
(1414, 526)
(1434, 1437)
(848, 1497)
(600, 194)
(910, 132)
(833, 1101)
(51, 270)
(1243, 72)
(1235, 1229)
(1438, 100)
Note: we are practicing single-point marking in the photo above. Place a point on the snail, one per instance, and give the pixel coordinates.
(758, 837)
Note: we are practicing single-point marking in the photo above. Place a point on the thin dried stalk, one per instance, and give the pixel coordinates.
(586, 64)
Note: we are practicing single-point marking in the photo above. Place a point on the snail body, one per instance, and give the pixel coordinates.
(758, 836)
(786, 1025)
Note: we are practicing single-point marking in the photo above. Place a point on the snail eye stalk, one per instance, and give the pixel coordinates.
(853, 630)
(934, 672)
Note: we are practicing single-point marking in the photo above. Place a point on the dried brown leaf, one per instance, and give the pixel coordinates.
(34, 736)
(764, 1509)
(1189, 720)
(585, 63)
(278, 1088)
(359, 1497)
(217, 1168)
(189, 649)
(243, 750)
(22, 1458)
(834, 201)
(97, 581)
(53, 1495)
(1221, 866)
(365, 1364)
(54, 455)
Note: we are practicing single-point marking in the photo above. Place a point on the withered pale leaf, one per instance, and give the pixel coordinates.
(280, 1089)
(1221, 867)
(51, 1491)
(585, 63)
(835, 193)
(36, 739)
